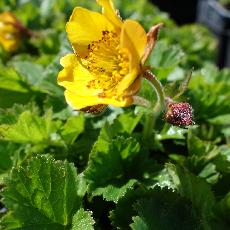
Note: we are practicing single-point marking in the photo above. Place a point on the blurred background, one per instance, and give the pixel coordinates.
(215, 14)
(181, 11)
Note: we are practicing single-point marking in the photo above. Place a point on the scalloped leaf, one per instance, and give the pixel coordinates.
(164, 210)
(43, 193)
(83, 220)
(32, 129)
(110, 164)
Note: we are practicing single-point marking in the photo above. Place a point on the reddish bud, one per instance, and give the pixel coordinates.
(179, 114)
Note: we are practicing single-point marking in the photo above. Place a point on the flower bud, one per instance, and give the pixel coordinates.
(10, 32)
(179, 114)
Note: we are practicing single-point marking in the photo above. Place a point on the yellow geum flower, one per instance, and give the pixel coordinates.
(10, 35)
(106, 66)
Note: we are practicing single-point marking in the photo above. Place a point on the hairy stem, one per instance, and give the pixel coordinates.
(157, 109)
(141, 101)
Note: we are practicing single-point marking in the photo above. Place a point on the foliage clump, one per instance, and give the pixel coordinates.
(62, 169)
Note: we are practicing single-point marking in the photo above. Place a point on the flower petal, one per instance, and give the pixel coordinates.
(75, 78)
(133, 38)
(110, 13)
(9, 33)
(84, 27)
(134, 88)
(126, 82)
(80, 102)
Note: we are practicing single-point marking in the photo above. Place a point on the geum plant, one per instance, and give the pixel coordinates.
(109, 62)
(106, 68)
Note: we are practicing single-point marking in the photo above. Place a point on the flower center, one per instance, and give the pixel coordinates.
(108, 62)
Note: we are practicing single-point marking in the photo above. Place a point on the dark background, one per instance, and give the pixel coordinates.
(182, 11)
(209, 14)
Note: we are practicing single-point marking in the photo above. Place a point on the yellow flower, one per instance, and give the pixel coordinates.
(9, 32)
(106, 65)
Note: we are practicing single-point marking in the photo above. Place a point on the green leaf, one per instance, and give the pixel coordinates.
(10, 80)
(164, 210)
(46, 7)
(121, 217)
(13, 97)
(209, 94)
(114, 192)
(49, 83)
(119, 122)
(194, 189)
(147, 91)
(42, 193)
(7, 151)
(201, 153)
(144, 12)
(177, 74)
(82, 220)
(32, 129)
(139, 224)
(14, 88)
(189, 186)
(40, 78)
(210, 173)
(126, 122)
(220, 120)
(161, 179)
(196, 146)
(73, 127)
(222, 160)
(196, 41)
(171, 132)
(223, 208)
(165, 58)
(10, 115)
(32, 73)
(110, 163)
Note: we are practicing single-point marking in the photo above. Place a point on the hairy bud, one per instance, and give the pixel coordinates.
(179, 114)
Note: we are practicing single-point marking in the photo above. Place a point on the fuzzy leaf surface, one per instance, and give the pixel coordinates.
(164, 210)
(82, 220)
(41, 194)
(109, 163)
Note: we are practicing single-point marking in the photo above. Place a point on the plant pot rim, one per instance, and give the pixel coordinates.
(214, 15)
(224, 12)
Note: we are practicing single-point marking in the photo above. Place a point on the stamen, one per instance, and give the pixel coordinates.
(108, 62)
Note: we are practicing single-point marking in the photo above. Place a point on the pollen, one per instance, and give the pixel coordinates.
(108, 62)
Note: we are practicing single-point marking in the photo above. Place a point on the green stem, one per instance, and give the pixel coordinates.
(141, 101)
(147, 131)
(158, 88)
(159, 106)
